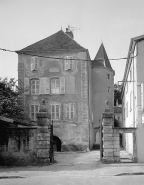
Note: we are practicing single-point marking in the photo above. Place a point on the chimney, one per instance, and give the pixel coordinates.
(69, 32)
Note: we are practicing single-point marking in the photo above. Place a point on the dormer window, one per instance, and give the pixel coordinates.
(69, 63)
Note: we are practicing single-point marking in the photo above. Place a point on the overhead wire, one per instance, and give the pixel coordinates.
(51, 57)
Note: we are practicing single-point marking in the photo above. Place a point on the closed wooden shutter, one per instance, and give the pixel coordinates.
(26, 86)
(47, 86)
(62, 85)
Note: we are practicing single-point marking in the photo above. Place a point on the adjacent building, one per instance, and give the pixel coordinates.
(133, 97)
(59, 71)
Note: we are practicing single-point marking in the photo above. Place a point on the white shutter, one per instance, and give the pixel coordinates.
(62, 85)
(42, 86)
(32, 63)
(47, 86)
(26, 86)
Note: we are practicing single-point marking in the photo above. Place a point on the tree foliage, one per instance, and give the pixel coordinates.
(9, 93)
(117, 94)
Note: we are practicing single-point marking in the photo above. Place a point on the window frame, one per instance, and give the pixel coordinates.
(69, 64)
(34, 64)
(34, 112)
(55, 111)
(108, 76)
(55, 88)
(69, 112)
(61, 85)
(109, 89)
(35, 90)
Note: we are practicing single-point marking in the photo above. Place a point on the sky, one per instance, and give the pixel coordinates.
(113, 22)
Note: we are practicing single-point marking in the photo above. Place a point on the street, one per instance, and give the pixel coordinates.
(74, 168)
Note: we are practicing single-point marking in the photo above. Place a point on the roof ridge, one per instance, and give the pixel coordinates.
(57, 41)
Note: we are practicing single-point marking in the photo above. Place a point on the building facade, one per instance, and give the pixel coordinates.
(133, 97)
(59, 72)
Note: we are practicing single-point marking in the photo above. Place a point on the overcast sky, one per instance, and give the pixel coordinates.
(113, 22)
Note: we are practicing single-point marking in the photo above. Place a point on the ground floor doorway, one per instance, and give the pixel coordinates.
(56, 144)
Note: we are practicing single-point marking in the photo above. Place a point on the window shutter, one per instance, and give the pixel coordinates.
(47, 86)
(42, 86)
(66, 63)
(32, 63)
(26, 86)
(62, 85)
(36, 63)
(74, 110)
(71, 63)
(64, 111)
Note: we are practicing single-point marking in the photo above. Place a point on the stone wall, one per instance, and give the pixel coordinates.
(18, 146)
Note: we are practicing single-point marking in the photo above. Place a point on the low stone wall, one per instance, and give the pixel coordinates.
(18, 146)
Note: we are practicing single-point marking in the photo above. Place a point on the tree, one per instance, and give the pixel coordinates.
(117, 95)
(9, 93)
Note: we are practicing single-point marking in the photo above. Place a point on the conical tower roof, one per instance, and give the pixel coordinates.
(102, 55)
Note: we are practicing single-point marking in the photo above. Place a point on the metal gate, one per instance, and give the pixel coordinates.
(101, 141)
(51, 152)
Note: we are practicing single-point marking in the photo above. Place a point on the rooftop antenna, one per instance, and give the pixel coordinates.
(74, 28)
(61, 26)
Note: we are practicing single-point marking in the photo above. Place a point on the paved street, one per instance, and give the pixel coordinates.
(74, 168)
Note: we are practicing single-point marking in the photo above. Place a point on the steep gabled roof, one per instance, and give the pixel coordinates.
(102, 55)
(57, 41)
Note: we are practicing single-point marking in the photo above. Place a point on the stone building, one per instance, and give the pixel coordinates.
(59, 71)
(102, 88)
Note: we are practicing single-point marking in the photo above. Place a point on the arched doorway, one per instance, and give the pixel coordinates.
(56, 144)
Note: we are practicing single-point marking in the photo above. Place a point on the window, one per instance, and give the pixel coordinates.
(55, 111)
(108, 76)
(70, 111)
(109, 89)
(34, 109)
(34, 86)
(34, 63)
(58, 85)
(55, 86)
(69, 63)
